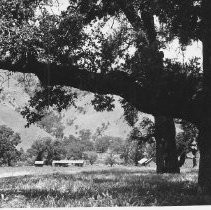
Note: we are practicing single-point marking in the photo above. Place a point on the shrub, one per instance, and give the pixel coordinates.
(110, 159)
(91, 156)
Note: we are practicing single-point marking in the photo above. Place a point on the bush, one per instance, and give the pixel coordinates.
(9, 141)
(110, 160)
(91, 156)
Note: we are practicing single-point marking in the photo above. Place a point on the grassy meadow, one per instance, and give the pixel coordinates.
(96, 186)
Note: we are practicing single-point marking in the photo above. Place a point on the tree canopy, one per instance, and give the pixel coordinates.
(46, 46)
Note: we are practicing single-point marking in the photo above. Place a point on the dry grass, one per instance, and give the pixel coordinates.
(98, 186)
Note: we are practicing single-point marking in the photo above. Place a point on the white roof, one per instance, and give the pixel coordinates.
(68, 161)
(38, 162)
(143, 160)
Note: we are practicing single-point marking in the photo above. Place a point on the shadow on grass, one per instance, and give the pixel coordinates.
(116, 171)
(121, 187)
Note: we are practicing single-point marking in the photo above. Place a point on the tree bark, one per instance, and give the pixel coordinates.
(194, 162)
(182, 159)
(166, 150)
(204, 142)
(204, 179)
(9, 162)
(167, 161)
(160, 162)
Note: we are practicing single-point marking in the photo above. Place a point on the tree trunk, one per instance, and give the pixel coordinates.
(9, 162)
(136, 158)
(204, 142)
(194, 157)
(39, 156)
(182, 159)
(166, 157)
(160, 155)
(171, 161)
(164, 127)
(194, 162)
(204, 179)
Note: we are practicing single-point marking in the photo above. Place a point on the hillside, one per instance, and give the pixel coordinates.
(84, 116)
(11, 97)
(14, 120)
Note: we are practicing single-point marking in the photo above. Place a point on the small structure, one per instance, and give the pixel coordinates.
(39, 163)
(144, 161)
(66, 163)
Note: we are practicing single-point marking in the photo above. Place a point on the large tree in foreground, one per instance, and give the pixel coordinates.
(61, 52)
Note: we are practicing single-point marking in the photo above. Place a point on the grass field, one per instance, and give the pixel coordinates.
(95, 186)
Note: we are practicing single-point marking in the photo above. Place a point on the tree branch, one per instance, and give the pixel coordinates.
(115, 83)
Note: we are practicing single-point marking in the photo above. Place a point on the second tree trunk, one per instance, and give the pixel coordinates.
(166, 151)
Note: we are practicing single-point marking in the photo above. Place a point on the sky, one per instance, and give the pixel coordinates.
(174, 51)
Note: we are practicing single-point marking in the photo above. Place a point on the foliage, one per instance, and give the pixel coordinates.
(130, 113)
(91, 156)
(49, 150)
(103, 102)
(116, 145)
(140, 142)
(128, 152)
(75, 147)
(50, 40)
(51, 123)
(85, 135)
(173, 12)
(45, 149)
(37, 150)
(55, 97)
(110, 159)
(102, 144)
(99, 131)
(149, 151)
(23, 158)
(29, 82)
(58, 150)
(187, 140)
(67, 148)
(142, 136)
(9, 141)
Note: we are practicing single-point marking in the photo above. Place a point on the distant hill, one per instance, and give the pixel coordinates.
(14, 120)
(85, 117)
(11, 97)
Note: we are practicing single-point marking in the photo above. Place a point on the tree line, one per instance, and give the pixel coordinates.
(138, 145)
